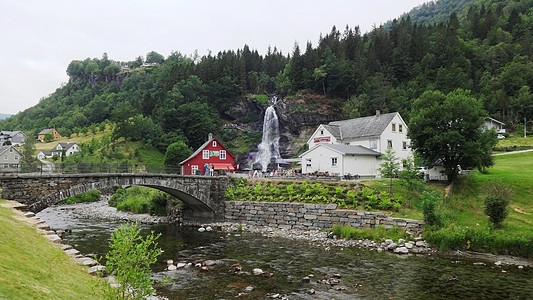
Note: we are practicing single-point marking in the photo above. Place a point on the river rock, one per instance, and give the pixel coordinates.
(29, 214)
(421, 244)
(170, 262)
(43, 226)
(201, 229)
(72, 251)
(209, 263)
(66, 247)
(54, 238)
(171, 267)
(498, 263)
(409, 245)
(94, 270)
(248, 289)
(257, 271)
(235, 268)
(208, 228)
(401, 241)
(306, 279)
(388, 242)
(181, 265)
(392, 246)
(401, 250)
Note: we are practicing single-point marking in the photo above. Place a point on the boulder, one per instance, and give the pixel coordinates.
(181, 265)
(172, 267)
(96, 269)
(421, 244)
(29, 214)
(235, 268)
(401, 250)
(392, 246)
(409, 245)
(54, 238)
(209, 263)
(208, 228)
(71, 251)
(257, 271)
(388, 241)
(66, 247)
(201, 229)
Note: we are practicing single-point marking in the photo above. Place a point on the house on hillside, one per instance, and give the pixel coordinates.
(67, 148)
(493, 123)
(213, 153)
(354, 147)
(9, 159)
(54, 132)
(16, 138)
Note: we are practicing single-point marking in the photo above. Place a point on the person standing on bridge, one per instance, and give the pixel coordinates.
(206, 166)
(212, 170)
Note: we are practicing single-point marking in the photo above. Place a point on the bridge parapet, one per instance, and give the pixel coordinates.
(203, 195)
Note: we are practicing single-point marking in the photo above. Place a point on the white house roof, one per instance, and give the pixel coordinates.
(360, 127)
(494, 120)
(66, 146)
(345, 149)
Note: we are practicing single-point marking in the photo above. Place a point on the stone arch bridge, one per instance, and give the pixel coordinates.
(204, 196)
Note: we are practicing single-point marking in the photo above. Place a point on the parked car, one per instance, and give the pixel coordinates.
(501, 136)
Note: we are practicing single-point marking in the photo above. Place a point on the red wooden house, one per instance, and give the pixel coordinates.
(211, 152)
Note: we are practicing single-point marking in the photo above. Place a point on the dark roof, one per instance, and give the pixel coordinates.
(360, 127)
(10, 133)
(351, 149)
(46, 152)
(66, 146)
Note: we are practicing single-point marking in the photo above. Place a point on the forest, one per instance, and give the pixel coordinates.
(485, 46)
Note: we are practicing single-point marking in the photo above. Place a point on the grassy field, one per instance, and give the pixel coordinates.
(32, 268)
(516, 140)
(73, 139)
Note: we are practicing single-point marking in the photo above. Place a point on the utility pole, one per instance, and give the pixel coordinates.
(525, 125)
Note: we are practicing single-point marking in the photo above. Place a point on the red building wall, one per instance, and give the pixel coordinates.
(215, 152)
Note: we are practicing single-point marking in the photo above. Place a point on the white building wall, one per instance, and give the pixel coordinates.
(362, 165)
(397, 138)
(319, 160)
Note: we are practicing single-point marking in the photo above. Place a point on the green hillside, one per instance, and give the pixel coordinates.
(484, 46)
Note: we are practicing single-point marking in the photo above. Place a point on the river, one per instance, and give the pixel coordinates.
(333, 272)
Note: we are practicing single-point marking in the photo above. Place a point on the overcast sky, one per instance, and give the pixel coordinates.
(40, 38)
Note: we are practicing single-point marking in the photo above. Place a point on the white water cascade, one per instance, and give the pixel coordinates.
(268, 150)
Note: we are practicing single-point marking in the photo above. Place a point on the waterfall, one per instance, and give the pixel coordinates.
(269, 147)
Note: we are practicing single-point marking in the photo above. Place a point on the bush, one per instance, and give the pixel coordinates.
(429, 209)
(496, 203)
(377, 234)
(139, 200)
(91, 196)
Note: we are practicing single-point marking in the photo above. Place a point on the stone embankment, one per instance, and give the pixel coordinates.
(289, 215)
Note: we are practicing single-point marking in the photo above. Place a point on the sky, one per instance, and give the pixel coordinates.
(40, 38)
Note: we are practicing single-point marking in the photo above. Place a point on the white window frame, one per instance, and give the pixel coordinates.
(222, 154)
(393, 127)
(400, 128)
(214, 143)
(389, 144)
(334, 162)
(404, 145)
(374, 143)
(194, 168)
(205, 154)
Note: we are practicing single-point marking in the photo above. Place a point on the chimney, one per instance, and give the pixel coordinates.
(377, 112)
(209, 136)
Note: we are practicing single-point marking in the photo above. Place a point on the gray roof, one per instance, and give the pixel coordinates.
(66, 146)
(45, 131)
(351, 149)
(4, 148)
(10, 133)
(360, 127)
(46, 152)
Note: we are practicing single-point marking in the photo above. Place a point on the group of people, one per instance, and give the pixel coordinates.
(209, 169)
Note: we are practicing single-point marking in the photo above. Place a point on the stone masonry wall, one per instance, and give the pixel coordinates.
(310, 216)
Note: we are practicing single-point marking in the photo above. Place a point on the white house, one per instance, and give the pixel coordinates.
(340, 160)
(493, 123)
(373, 134)
(16, 138)
(9, 158)
(68, 148)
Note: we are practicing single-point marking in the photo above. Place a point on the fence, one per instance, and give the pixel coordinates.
(66, 168)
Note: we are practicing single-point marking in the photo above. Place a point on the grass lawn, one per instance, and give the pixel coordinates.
(515, 140)
(32, 268)
(75, 138)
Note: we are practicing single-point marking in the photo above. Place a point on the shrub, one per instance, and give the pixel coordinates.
(378, 234)
(429, 209)
(91, 196)
(496, 203)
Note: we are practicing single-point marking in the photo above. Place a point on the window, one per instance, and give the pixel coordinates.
(400, 127)
(205, 154)
(373, 144)
(404, 146)
(321, 132)
(308, 162)
(16, 157)
(11, 150)
(333, 161)
(214, 143)
(389, 144)
(393, 127)
(194, 168)
(222, 154)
